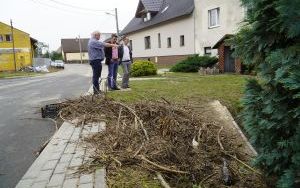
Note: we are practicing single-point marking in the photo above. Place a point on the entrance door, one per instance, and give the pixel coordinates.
(229, 60)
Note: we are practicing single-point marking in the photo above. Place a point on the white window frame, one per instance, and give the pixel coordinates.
(131, 44)
(147, 17)
(182, 41)
(207, 51)
(147, 47)
(159, 40)
(217, 17)
(169, 42)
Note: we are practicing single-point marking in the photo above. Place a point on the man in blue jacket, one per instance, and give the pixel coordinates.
(96, 56)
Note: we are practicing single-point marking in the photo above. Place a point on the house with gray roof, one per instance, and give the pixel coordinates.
(70, 48)
(167, 31)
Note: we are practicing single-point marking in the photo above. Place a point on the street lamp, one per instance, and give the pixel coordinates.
(80, 49)
(117, 22)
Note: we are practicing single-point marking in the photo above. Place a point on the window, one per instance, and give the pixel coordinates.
(159, 41)
(169, 40)
(147, 17)
(130, 43)
(182, 40)
(8, 38)
(1, 38)
(207, 50)
(214, 18)
(147, 42)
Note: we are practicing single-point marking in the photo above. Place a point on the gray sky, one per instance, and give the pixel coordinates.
(50, 20)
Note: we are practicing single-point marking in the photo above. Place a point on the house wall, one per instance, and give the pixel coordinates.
(76, 56)
(231, 17)
(174, 29)
(23, 49)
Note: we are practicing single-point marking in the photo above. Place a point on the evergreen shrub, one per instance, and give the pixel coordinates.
(193, 63)
(270, 41)
(143, 68)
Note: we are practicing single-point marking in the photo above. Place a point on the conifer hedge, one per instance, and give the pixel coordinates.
(270, 41)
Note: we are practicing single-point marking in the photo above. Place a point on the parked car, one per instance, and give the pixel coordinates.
(52, 64)
(59, 64)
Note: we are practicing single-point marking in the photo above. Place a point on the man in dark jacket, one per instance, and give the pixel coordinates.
(125, 56)
(112, 61)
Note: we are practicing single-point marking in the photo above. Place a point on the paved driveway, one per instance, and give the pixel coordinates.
(22, 130)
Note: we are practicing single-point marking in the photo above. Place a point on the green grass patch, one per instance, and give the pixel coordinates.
(129, 178)
(182, 87)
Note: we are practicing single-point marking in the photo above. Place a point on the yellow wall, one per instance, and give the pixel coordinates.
(23, 48)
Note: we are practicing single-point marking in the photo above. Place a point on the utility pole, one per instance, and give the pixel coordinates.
(117, 21)
(80, 49)
(49, 52)
(13, 43)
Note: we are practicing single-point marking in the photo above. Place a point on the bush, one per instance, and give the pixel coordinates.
(271, 115)
(143, 68)
(193, 63)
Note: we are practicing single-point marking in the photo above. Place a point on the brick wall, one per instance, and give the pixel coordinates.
(221, 52)
(165, 60)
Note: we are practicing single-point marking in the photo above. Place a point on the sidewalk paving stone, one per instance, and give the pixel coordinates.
(56, 166)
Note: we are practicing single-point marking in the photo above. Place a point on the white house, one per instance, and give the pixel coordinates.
(170, 30)
(70, 48)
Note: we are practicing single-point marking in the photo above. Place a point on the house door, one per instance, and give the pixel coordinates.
(229, 60)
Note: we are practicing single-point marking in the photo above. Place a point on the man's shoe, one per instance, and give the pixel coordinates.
(116, 88)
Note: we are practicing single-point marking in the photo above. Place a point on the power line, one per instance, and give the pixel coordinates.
(77, 7)
(63, 9)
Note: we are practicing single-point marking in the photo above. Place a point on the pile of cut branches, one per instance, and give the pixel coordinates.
(169, 141)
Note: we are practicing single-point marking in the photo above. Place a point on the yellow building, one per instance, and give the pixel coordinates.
(24, 48)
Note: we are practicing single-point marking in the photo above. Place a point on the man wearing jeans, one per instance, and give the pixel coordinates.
(125, 55)
(112, 60)
(96, 56)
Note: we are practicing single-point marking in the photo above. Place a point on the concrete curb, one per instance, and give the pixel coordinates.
(226, 115)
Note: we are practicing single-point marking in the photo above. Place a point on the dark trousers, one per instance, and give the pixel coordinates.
(97, 69)
(112, 73)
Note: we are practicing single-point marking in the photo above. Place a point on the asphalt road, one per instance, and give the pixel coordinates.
(22, 130)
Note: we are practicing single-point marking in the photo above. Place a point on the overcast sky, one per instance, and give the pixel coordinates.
(50, 20)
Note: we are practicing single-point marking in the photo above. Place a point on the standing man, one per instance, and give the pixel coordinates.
(112, 60)
(125, 55)
(96, 56)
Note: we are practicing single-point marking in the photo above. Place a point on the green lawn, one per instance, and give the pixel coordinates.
(17, 74)
(181, 87)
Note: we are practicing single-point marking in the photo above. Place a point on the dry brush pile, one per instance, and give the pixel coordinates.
(171, 142)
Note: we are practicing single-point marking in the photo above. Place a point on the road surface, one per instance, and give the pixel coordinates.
(22, 130)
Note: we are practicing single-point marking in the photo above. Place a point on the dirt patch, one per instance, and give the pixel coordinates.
(179, 145)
